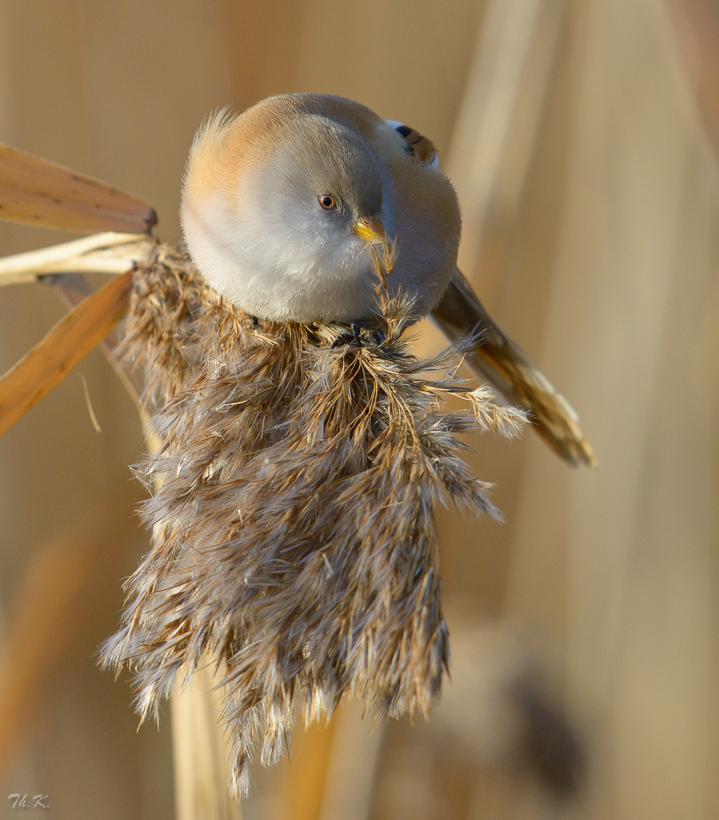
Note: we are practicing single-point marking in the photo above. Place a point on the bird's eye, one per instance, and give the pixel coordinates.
(327, 202)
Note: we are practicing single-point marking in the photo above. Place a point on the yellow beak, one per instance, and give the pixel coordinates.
(371, 230)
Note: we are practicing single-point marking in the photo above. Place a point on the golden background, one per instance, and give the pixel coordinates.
(584, 629)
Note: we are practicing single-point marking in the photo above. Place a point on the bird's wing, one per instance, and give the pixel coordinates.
(415, 144)
(497, 358)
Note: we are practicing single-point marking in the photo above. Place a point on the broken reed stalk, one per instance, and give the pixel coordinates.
(110, 253)
(200, 752)
(293, 509)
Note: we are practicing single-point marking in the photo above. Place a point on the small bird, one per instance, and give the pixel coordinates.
(281, 202)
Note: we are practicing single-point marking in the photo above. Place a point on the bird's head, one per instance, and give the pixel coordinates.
(278, 211)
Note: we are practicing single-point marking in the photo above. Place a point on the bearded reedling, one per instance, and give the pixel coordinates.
(280, 202)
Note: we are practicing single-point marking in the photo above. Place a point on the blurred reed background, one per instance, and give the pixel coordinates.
(581, 136)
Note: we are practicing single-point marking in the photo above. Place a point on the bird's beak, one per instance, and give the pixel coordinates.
(371, 230)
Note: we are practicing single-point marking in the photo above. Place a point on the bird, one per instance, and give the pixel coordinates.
(280, 204)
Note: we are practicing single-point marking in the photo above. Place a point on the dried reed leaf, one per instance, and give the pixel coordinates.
(72, 338)
(43, 193)
(292, 511)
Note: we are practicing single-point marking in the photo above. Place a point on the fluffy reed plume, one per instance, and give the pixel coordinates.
(292, 510)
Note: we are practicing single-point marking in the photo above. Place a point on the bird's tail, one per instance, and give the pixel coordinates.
(496, 358)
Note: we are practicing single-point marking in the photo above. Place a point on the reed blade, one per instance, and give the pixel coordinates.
(72, 338)
(40, 192)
